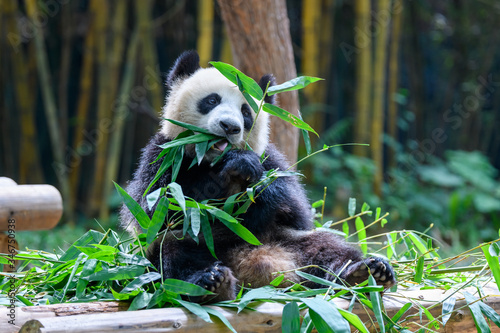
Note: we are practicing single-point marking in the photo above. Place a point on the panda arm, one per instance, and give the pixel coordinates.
(283, 202)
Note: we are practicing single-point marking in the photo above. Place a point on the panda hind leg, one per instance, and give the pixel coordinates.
(344, 261)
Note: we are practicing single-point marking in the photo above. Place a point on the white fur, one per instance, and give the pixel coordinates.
(181, 105)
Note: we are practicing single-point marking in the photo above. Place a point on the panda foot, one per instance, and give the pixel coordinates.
(218, 279)
(379, 268)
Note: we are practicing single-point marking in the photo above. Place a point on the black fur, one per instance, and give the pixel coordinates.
(263, 84)
(208, 103)
(247, 116)
(187, 63)
(280, 218)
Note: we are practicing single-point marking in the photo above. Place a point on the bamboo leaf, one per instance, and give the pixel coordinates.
(117, 273)
(352, 207)
(353, 320)
(419, 244)
(157, 220)
(140, 301)
(189, 126)
(231, 73)
(475, 310)
(195, 220)
(247, 96)
(242, 232)
(377, 304)
(221, 317)
(176, 191)
(294, 84)
(447, 309)
(140, 281)
(399, 314)
(288, 117)
(87, 270)
(492, 263)
(197, 309)
(290, 321)
(152, 198)
(490, 313)
(192, 139)
(207, 234)
(360, 228)
(184, 288)
(165, 164)
(419, 270)
(176, 165)
(136, 210)
(325, 316)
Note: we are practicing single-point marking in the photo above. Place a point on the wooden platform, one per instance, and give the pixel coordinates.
(112, 317)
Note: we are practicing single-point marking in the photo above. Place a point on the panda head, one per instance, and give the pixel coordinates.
(205, 98)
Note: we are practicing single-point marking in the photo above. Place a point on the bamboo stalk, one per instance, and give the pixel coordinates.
(50, 108)
(363, 77)
(85, 96)
(205, 30)
(311, 19)
(226, 55)
(66, 50)
(121, 114)
(149, 53)
(28, 159)
(393, 78)
(115, 62)
(379, 79)
(96, 198)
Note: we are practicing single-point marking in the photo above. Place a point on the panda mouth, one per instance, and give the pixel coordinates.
(220, 145)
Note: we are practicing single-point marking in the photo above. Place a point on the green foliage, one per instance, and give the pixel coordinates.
(460, 195)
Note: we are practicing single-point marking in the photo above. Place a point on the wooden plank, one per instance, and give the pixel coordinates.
(109, 316)
(30, 207)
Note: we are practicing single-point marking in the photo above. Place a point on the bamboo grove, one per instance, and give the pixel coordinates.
(81, 81)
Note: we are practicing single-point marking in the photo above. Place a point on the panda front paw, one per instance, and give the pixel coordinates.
(218, 279)
(379, 268)
(244, 165)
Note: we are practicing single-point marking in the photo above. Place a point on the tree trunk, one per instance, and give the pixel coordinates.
(261, 43)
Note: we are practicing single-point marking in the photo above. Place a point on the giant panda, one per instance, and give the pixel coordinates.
(280, 218)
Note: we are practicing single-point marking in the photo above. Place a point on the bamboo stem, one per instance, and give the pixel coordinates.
(83, 106)
(50, 108)
(115, 62)
(205, 30)
(379, 79)
(363, 76)
(393, 79)
(120, 115)
(28, 159)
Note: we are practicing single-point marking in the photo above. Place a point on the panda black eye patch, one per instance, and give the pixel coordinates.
(208, 103)
(247, 116)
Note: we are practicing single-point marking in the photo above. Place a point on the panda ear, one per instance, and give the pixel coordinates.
(187, 63)
(267, 78)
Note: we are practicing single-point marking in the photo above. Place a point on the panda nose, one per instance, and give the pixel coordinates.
(229, 127)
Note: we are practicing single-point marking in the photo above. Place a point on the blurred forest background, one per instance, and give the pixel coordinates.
(81, 90)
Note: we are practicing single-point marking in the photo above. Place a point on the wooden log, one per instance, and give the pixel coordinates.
(30, 207)
(108, 316)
